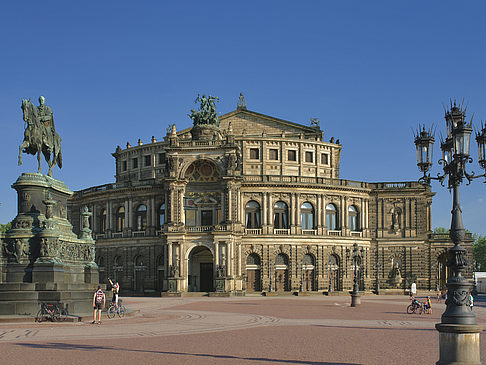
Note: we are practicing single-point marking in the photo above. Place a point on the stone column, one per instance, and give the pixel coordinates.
(270, 213)
(239, 260)
(154, 214)
(169, 253)
(127, 214)
(297, 213)
(108, 216)
(223, 208)
(239, 205)
(264, 210)
(94, 219)
(216, 254)
(231, 258)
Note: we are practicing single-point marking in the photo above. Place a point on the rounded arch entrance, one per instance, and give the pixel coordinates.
(253, 273)
(282, 272)
(308, 265)
(334, 266)
(200, 270)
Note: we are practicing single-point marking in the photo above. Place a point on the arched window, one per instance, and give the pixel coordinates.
(280, 215)
(252, 211)
(253, 260)
(141, 217)
(331, 214)
(307, 216)
(139, 261)
(120, 219)
(353, 218)
(282, 260)
(308, 260)
(117, 267)
(161, 215)
(103, 221)
(101, 268)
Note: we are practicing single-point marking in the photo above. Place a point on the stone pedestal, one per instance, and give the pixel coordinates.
(42, 260)
(222, 285)
(355, 299)
(459, 344)
(174, 285)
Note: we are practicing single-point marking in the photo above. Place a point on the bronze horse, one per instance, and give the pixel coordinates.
(35, 139)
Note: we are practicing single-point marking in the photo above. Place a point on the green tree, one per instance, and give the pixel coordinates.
(479, 252)
(441, 230)
(5, 227)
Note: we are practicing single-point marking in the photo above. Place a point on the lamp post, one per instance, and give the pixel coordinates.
(355, 297)
(302, 277)
(458, 330)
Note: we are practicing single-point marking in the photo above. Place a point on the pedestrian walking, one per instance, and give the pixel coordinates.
(428, 305)
(470, 301)
(99, 301)
(413, 289)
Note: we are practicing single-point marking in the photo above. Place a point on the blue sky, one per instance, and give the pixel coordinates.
(116, 71)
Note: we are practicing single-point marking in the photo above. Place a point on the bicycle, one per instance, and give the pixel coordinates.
(49, 312)
(112, 310)
(416, 306)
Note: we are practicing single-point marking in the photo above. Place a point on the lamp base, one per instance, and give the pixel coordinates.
(355, 300)
(459, 344)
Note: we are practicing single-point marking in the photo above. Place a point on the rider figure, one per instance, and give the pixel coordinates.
(115, 287)
(45, 117)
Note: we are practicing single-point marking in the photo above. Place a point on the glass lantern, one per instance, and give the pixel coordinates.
(446, 148)
(461, 135)
(424, 143)
(481, 140)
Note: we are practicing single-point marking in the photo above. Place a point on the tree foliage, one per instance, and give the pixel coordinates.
(5, 227)
(479, 252)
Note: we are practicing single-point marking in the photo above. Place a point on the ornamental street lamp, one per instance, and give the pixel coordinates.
(355, 297)
(458, 330)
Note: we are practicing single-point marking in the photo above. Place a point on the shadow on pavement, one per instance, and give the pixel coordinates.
(379, 328)
(68, 346)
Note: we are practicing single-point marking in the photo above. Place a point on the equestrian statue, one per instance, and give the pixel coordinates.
(40, 134)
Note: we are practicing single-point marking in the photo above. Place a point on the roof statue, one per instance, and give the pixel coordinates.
(241, 102)
(314, 122)
(206, 115)
(40, 134)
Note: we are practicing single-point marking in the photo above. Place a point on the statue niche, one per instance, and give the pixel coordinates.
(395, 217)
(395, 275)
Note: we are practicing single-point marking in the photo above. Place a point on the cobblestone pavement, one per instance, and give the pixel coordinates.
(240, 330)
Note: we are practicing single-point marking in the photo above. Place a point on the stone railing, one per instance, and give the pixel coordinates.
(192, 143)
(356, 234)
(309, 232)
(281, 231)
(199, 229)
(334, 233)
(138, 233)
(253, 231)
(117, 235)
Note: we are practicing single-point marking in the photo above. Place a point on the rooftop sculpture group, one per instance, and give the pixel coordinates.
(40, 134)
(206, 115)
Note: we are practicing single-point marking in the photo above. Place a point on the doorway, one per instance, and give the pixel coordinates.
(200, 270)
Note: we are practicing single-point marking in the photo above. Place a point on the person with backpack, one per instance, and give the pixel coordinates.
(98, 304)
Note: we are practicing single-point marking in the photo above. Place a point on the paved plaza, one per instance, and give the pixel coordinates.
(238, 330)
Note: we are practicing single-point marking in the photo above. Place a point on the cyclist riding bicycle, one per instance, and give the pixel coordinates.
(115, 287)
